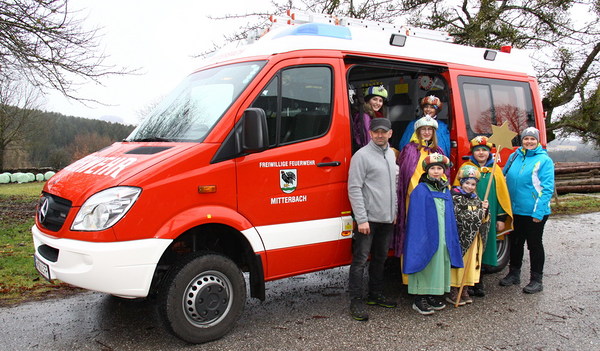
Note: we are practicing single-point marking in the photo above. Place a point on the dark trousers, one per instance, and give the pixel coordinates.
(526, 230)
(377, 243)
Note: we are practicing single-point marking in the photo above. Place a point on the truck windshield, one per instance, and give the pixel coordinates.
(192, 109)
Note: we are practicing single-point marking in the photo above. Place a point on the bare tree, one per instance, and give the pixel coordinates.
(18, 103)
(567, 52)
(256, 22)
(85, 144)
(42, 42)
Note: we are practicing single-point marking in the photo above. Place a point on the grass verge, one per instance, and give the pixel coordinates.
(572, 204)
(19, 281)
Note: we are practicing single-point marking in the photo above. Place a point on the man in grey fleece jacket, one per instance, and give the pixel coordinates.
(372, 193)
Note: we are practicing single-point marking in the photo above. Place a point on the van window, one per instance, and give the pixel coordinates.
(297, 102)
(406, 86)
(193, 108)
(490, 102)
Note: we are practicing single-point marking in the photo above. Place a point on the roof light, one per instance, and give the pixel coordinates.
(489, 55)
(318, 29)
(506, 49)
(397, 40)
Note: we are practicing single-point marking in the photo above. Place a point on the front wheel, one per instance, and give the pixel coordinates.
(203, 298)
(503, 252)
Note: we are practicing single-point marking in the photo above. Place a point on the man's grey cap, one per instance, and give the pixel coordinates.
(381, 123)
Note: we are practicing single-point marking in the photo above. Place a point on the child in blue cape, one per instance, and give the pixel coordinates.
(431, 106)
(431, 245)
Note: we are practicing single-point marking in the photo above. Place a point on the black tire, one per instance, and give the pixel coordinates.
(503, 252)
(202, 298)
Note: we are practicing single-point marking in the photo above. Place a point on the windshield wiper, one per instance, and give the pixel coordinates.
(150, 139)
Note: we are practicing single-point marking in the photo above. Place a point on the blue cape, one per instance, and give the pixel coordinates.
(443, 136)
(422, 232)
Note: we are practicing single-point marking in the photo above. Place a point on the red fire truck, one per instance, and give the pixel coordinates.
(243, 168)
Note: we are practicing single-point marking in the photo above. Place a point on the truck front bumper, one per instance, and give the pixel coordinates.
(122, 268)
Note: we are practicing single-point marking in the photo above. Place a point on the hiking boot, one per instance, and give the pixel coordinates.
(535, 285)
(477, 290)
(453, 297)
(420, 305)
(465, 296)
(512, 278)
(357, 310)
(380, 300)
(434, 303)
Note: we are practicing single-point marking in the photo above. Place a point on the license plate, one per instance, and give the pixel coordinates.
(42, 268)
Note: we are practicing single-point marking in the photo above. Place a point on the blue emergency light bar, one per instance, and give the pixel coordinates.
(318, 29)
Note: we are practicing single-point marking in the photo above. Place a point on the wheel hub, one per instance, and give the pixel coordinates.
(206, 299)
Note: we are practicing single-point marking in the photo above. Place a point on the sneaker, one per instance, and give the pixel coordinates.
(357, 310)
(420, 305)
(453, 297)
(434, 303)
(465, 296)
(380, 300)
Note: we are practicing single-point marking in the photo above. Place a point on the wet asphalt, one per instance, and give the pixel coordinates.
(310, 312)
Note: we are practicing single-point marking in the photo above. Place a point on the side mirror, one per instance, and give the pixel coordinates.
(254, 134)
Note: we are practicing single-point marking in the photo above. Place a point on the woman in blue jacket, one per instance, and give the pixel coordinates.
(529, 175)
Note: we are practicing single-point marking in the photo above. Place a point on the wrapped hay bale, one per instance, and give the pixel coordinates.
(49, 175)
(14, 177)
(22, 178)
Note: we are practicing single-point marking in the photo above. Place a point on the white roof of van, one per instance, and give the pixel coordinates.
(368, 40)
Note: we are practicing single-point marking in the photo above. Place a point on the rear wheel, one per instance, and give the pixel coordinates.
(203, 298)
(503, 252)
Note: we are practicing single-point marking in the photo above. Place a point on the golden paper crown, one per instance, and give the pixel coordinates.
(436, 159)
(468, 171)
(433, 101)
(481, 140)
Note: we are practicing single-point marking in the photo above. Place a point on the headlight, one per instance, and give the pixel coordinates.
(102, 210)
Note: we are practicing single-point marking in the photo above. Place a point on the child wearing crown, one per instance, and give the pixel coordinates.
(431, 246)
(471, 219)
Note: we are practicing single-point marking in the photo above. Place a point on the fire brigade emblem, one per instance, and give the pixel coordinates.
(288, 180)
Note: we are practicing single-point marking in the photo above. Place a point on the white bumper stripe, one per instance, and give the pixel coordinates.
(279, 236)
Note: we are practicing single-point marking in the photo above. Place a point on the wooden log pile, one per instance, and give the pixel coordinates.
(577, 177)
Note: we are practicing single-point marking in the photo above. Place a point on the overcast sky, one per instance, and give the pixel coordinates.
(159, 37)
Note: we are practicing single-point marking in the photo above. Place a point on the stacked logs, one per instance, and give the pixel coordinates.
(577, 177)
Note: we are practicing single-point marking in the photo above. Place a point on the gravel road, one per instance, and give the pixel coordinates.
(310, 312)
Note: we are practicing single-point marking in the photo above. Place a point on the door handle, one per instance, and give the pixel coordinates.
(329, 164)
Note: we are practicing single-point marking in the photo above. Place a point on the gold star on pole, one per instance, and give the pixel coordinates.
(501, 136)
